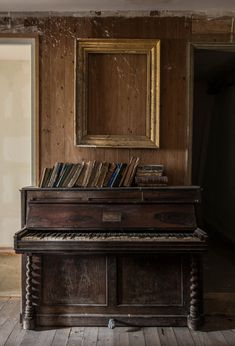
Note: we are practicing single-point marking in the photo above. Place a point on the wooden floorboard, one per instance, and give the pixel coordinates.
(183, 336)
(229, 337)
(61, 337)
(76, 336)
(16, 336)
(151, 336)
(218, 331)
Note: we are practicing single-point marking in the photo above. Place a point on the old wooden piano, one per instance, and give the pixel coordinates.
(121, 256)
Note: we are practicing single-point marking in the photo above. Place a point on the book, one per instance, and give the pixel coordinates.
(131, 171)
(153, 168)
(132, 175)
(114, 175)
(78, 169)
(152, 179)
(145, 170)
(118, 179)
(45, 177)
(126, 171)
(151, 185)
(103, 174)
(55, 173)
(68, 175)
(81, 179)
(93, 174)
(110, 169)
(97, 175)
(63, 174)
(90, 166)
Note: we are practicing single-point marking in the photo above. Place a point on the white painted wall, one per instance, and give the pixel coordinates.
(15, 142)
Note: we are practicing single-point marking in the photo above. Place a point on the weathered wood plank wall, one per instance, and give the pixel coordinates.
(56, 85)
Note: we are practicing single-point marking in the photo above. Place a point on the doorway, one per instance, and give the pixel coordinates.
(213, 156)
(18, 119)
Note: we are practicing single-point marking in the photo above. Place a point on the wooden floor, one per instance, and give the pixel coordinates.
(218, 330)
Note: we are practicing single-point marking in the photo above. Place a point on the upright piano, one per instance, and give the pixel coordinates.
(116, 257)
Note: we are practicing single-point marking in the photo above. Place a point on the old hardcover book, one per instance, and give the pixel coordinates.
(55, 174)
(145, 170)
(132, 175)
(151, 179)
(120, 174)
(93, 173)
(131, 171)
(97, 175)
(75, 176)
(90, 166)
(63, 174)
(80, 180)
(114, 175)
(103, 174)
(45, 177)
(68, 175)
(127, 171)
(109, 171)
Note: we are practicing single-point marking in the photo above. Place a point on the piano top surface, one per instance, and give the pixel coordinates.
(131, 188)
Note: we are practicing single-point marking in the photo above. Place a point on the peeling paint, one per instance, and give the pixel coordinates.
(209, 14)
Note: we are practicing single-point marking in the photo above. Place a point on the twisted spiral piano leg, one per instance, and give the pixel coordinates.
(194, 317)
(28, 321)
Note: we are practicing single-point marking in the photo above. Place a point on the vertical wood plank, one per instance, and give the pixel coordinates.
(183, 336)
(229, 337)
(76, 336)
(16, 336)
(61, 337)
(42, 338)
(9, 310)
(105, 336)
(71, 152)
(136, 338)
(151, 336)
(45, 97)
(216, 338)
(3, 301)
(197, 340)
(57, 89)
(90, 336)
(121, 336)
(6, 329)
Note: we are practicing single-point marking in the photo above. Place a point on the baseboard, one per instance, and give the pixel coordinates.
(7, 250)
(220, 303)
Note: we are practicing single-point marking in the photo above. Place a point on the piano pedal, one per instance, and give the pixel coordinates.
(111, 323)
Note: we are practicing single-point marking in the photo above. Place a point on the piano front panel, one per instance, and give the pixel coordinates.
(118, 284)
(104, 216)
(148, 280)
(76, 280)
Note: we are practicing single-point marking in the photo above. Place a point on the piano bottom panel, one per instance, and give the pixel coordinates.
(105, 320)
(136, 289)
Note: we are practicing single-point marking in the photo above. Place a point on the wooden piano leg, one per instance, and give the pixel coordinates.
(28, 319)
(195, 309)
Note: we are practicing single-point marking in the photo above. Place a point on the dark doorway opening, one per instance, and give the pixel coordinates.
(213, 159)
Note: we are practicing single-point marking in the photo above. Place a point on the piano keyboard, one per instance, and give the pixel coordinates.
(108, 236)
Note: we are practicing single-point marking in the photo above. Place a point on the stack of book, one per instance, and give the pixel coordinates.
(150, 175)
(90, 174)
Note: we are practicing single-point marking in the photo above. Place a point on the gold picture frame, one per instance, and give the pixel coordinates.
(87, 49)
